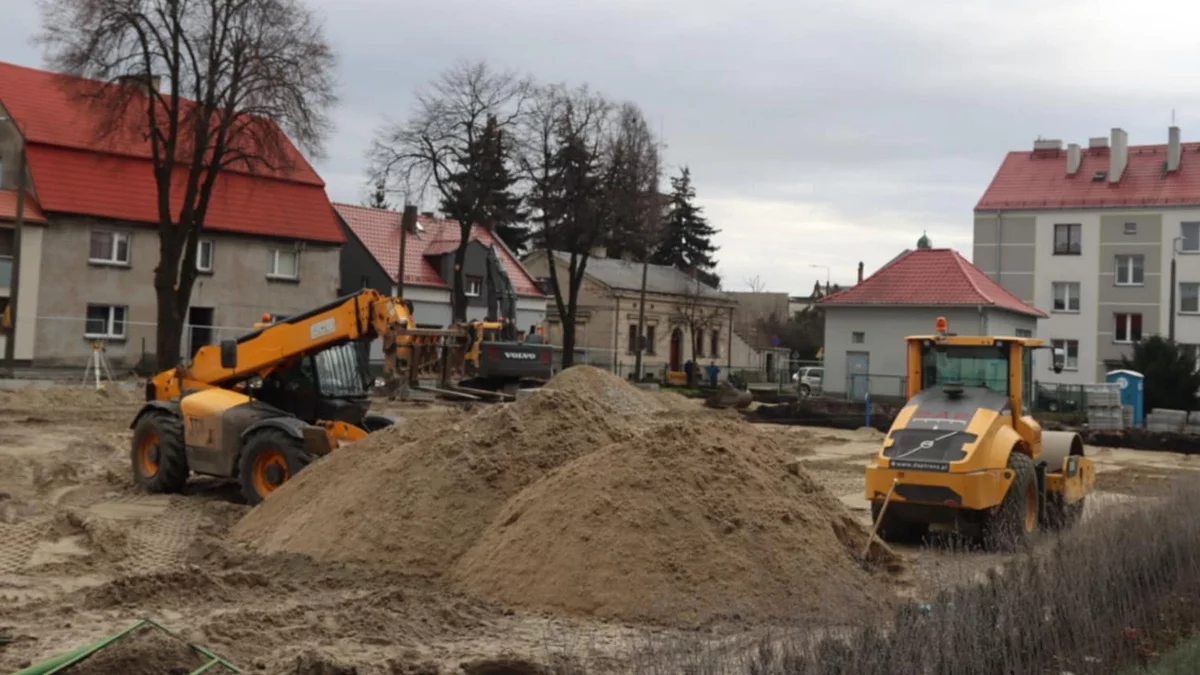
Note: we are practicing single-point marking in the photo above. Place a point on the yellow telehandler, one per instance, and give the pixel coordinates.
(965, 450)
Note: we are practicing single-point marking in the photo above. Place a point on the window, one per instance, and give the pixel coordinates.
(1128, 328)
(1129, 270)
(633, 336)
(715, 346)
(6, 242)
(1071, 347)
(105, 321)
(1191, 238)
(204, 255)
(969, 365)
(1130, 228)
(285, 264)
(1189, 297)
(649, 339)
(1067, 239)
(474, 285)
(109, 248)
(1024, 332)
(1066, 296)
(858, 337)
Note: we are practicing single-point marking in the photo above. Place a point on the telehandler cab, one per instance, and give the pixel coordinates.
(966, 451)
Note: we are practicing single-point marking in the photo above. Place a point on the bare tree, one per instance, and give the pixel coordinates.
(434, 152)
(239, 74)
(696, 311)
(756, 284)
(563, 158)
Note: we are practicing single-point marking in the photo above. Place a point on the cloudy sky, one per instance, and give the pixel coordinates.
(818, 133)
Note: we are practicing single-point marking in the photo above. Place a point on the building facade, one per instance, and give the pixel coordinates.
(1090, 234)
(865, 326)
(89, 244)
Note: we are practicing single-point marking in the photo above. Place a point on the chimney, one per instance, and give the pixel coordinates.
(1047, 144)
(1097, 142)
(1120, 155)
(428, 214)
(598, 252)
(1174, 150)
(148, 83)
(1074, 159)
(860, 271)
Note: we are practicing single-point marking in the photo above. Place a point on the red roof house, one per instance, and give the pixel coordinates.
(930, 277)
(77, 171)
(1050, 177)
(378, 230)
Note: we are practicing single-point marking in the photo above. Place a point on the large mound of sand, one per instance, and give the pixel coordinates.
(590, 497)
(691, 522)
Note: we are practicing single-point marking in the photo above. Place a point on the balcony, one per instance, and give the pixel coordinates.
(5, 271)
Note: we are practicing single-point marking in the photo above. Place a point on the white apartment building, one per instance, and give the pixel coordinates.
(1089, 235)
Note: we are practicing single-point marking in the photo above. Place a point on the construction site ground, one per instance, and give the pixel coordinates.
(84, 554)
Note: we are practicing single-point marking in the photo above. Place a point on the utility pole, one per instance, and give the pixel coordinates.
(1172, 310)
(649, 236)
(14, 286)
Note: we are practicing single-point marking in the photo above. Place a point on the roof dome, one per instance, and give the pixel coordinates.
(924, 242)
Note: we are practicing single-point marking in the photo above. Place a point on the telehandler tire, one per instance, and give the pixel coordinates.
(896, 531)
(157, 453)
(270, 457)
(1012, 526)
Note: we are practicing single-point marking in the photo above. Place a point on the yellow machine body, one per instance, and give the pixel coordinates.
(948, 456)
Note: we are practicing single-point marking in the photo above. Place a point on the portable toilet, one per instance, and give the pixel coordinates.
(1133, 394)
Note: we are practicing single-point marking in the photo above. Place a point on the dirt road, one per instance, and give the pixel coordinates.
(84, 554)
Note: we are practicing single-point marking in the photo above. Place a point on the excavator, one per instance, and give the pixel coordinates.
(261, 407)
(965, 450)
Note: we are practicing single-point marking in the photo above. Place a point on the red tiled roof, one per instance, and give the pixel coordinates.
(76, 171)
(379, 231)
(76, 181)
(931, 277)
(8, 207)
(1039, 180)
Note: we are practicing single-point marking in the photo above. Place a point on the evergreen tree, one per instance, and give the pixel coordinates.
(378, 198)
(499, 207)
(687, 242)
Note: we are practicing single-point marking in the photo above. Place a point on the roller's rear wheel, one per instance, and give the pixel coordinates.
(1012, 526)
(157, 453)
(270, 458)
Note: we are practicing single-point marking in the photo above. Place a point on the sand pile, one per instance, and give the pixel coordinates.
(589, 497)
(690, 523)
(414, 497)
(70, 397)
(146, 651)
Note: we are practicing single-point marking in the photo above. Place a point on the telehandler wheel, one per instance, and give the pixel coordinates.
(896, 531)
(270, 458)
(157, 453)
(1012, 525)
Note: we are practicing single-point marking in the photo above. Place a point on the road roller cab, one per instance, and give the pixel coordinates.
(965, 450)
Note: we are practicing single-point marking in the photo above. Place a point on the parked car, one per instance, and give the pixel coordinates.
(808, 380)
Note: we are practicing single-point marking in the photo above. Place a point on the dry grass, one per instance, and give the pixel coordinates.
(1103, 598)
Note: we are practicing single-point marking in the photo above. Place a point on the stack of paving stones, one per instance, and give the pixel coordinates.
(1104, 406)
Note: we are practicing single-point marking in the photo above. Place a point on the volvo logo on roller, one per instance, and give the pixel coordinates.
(525, 356)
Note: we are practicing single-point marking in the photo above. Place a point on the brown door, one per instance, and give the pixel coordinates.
(676, 349)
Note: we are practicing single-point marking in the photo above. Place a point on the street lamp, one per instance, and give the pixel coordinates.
(14, 286)
(826, 268)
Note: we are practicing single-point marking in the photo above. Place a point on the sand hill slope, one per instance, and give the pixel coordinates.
(590, 497)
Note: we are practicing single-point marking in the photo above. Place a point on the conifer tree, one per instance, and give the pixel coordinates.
(687, 242)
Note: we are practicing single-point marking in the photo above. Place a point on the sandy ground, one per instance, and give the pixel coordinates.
(83, 554)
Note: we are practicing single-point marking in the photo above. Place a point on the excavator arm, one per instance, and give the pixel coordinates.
(501, 297)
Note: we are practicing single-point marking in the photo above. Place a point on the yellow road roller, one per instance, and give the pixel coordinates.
(966, 452)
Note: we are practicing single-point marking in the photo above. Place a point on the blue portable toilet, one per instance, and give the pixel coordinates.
(1133, 392)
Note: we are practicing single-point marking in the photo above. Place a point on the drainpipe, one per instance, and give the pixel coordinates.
(14, 285)
(1171, 312)
(999, 248)
(729, 347)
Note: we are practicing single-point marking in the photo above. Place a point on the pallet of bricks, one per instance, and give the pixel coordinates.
(1173, 421)
(1104, 409)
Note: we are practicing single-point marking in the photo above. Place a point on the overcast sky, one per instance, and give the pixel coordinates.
(818, 133)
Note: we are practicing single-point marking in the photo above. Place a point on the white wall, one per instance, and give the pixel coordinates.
(1187, 269)
(1084, 268)
(884, 330)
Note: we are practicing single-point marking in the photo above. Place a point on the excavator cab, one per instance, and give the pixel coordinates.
(965, 450)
